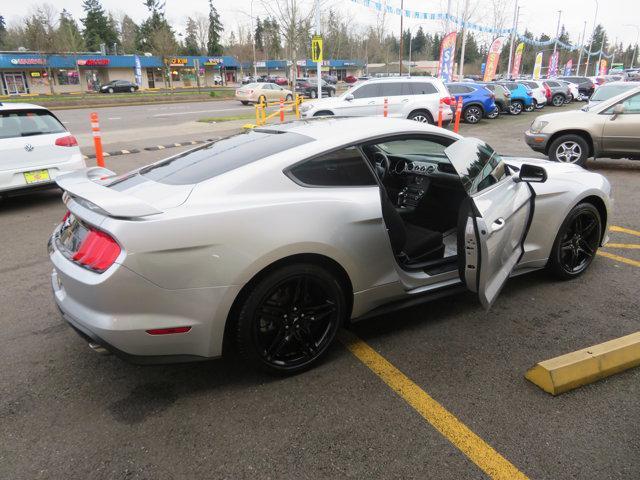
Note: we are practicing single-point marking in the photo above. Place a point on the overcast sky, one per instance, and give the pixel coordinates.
(537, 15)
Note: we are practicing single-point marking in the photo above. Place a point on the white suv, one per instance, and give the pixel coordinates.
(34, 148)
(414, 98)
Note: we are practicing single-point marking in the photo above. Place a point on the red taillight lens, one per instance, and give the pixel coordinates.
(68, 141)
(448, 100)
(66, 215)
(547, 91)
(98, 251)
(168, 331)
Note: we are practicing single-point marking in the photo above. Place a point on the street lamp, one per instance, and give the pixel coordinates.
(586, 67)
(635, 51)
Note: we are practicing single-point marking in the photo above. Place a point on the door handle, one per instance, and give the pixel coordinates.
(405, 100)
(371, 103)
(497, 225)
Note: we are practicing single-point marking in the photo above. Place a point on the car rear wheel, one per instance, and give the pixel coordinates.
(577, 242)
(111, 90)
(290, 318)
(569, 149)
(472, 114)
(421, 116)
(132, 89)
(244, 102)
(530, 108)
(313, 94)
(516, 107)
(558, 100)
(568, 100)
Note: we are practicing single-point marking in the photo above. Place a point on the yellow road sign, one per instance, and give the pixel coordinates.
(316, 49)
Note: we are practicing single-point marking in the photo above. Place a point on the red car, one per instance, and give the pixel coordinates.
(350, 79)
(281, 81)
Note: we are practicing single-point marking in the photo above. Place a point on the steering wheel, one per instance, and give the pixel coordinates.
(381, 164)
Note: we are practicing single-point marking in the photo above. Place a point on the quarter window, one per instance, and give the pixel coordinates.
(342, 168)
(422, 88)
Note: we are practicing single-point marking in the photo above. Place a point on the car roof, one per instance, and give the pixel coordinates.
(343, 130)
(400, 79)
(631, 84)
(20, 106)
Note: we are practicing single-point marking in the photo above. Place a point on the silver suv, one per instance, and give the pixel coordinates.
(416, 98)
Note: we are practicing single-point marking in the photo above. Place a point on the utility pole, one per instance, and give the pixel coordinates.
(584, 31)
(318, 64)
(464, 39)
(253, 37)
(555, 45)
(401, 34)
(593, 32)
(516, 13)
(410, 41)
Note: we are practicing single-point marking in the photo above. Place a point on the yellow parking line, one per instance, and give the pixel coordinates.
(618, 258)
(614, 228)
(476, 449)
(629, 246)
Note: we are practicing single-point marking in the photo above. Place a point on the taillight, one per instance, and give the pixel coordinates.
(68, 141)
(448, 100)
(168, 331)
(98, 251)
(66, 215)
(547, 91)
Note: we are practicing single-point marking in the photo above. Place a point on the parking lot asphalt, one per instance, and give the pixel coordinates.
(66, 412)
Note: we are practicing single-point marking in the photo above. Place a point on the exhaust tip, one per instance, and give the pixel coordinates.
(99, 349)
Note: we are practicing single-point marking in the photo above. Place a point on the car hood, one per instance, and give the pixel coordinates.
(562, 116)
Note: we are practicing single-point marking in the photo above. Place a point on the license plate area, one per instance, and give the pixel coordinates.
(36, 176)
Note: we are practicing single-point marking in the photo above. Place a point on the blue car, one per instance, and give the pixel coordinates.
(521, 97)
(477, 101)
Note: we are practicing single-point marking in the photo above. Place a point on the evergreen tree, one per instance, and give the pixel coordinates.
(128, 33)
(152, 25)
(191, 38)
(3, 31)
(214, 47)
(471, 52)
(259, 35)
(406, 42)
(68, 37)
(419, 42)
(435, 47)
(98, 28)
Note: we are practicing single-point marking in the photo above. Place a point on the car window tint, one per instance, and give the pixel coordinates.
(26, 123)
(431, 148)
(531, 84)
(422, 88)
(453, 89)
(391, 89)
(366, 91)
(342, 168)
(222, 156)
(553, 84)
(478, 165)
(632, 104)
(605, 92)
(491, 88)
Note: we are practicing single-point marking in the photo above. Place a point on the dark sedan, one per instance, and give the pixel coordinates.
(115, 86)
(308, 87)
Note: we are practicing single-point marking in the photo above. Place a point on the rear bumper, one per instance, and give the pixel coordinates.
(12, 181)
(116, 308)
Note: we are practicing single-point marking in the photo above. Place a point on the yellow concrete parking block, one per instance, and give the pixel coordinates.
(566, 372)
(461, 436)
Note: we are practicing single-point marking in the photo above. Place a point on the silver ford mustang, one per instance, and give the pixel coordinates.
(272, 239)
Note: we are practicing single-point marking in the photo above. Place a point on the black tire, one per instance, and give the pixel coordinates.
(244, 102)
(516, 107)
(422, 116)
(289, 318)
(330, 92)
(495, 113)
(530, 108)
(323, 113)
(132, 89)
(472, 114)
(111, 90)
(568, 100)
(557, 100)
(577, 242)
(313, 94)
(569, 149)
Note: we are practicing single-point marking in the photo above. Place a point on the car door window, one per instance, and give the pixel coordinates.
(478, 165)
(391, 89)
(454, 89)
(366, 91)
(422, 88)
(632, 104)
(341, 168)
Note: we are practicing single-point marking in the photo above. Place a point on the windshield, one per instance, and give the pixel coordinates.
(605, 92)
(26, 123)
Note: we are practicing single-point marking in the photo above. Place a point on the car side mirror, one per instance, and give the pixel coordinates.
(617, 110)
(349, 97)
(532, 174)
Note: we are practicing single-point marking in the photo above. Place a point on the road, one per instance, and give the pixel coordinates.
(67, 413)
(144, 125)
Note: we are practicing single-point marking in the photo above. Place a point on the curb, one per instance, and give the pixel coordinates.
(116, 153)
(566, 372)
(135, 104)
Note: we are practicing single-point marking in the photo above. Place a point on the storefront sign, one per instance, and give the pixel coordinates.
(178, 62)
(214, 62)
(301, 63)
(93, 62)
(28, 61)
(261, 64)
(35, 74)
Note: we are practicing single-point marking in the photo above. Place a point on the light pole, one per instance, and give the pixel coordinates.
(318, 64)
(555, 45)
(253, 37)
(401, 36)
(410, 40)
(635, 51)
(464, 39)
(595, 17)
(516, 13)
(584, 31)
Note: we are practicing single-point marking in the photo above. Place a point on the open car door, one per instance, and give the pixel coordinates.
(493, 220)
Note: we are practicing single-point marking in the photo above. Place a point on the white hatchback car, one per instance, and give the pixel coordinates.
(35, 148)
(415, 98)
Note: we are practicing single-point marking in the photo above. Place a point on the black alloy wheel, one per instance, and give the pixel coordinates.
(290, 319)
(577, 242)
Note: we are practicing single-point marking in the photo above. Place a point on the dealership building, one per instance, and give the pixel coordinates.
(24, 73)
(31, 73)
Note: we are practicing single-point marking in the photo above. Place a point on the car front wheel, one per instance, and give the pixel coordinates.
(290, 317)
(557, 100)
(516, 107)
(111, 90)
(577, 242)
(472, 114)
(569, 149)
(495, 113)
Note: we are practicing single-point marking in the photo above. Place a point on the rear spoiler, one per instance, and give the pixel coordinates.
(82, 184)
